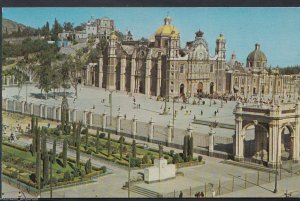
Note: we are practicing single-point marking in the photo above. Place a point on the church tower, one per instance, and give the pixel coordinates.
(112, 63)
(220, 64)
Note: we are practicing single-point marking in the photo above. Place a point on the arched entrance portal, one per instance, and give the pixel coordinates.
(200, 88)
(211, 88)
(256, 143)
(181, 90)
(286, 143)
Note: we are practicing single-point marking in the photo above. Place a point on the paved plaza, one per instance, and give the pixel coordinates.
(123, 103)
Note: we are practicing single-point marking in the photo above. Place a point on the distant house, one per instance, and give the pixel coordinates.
(62, 43)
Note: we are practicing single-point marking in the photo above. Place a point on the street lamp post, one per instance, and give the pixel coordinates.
(129, 166)
(110, 107)
(276, 165)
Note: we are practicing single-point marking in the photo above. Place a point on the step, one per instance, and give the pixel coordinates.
(143, 191)
(249, 165)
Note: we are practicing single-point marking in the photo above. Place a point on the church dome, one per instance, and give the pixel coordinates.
(167, 29)
(257, 55)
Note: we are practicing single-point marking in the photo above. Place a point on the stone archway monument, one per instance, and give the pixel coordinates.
(269, 122)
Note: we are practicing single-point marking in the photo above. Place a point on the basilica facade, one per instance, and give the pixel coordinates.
(161, 67)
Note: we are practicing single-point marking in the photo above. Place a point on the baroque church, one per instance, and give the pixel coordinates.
(161, 67)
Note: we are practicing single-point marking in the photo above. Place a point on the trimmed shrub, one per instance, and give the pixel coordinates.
(14, 174)
(67, 176)
(166, 157)
(200, 158)
(102, 135)
(171, 152)
(58, 172)
(103, 168)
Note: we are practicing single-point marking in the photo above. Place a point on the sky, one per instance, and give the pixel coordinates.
(277, 30)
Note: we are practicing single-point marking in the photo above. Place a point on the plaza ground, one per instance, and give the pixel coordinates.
(110, 185)
(92, 96)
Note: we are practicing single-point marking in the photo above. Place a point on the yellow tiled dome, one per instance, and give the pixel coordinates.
(167, 28)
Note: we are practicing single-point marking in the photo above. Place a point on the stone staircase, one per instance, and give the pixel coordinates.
(249, 165)
(143, 191)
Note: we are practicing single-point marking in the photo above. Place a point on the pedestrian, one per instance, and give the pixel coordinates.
(201, 112)
(215, 113)
(194, 117)
(202, 194)
(217, 110)
(19, 195)
(213, 193)
(124, 116)
(48, 125)
(181, 194)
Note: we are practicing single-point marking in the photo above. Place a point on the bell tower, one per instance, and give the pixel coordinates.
(112, 63)
(220, 64)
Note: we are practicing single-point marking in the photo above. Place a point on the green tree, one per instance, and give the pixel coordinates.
(88, 166)
(68, 26)
(65, 152)
(74, 132)
(32, 124)
(78, 144)
(97, 141)
(38, 158)
(54, 152)
(46, 168)
(109, 145)
(34, 139)
(121, 147)
(86, 138)
(191, 147)
(56, 28)
(185, 147)
(133, 149)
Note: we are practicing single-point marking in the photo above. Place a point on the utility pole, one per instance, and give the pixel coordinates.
(276, 165)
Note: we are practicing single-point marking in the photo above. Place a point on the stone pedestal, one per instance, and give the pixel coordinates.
(23, 107)
(151, 130)
(170, 127)
(90, 118)
(46, 111)
(14, 106)
(31, 108)
(160, 171)
(211, 134)
(133, 127)
(119, 123)
(84, 117)
(59, 113)
(104, 121)
(41, 110)
(74, 115)
(54, 113)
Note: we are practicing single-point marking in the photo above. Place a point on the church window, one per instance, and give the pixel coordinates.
(172, 90)
(211, 68)
(172, 82)
(279, 84)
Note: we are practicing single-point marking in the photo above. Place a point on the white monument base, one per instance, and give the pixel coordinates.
(160, 171)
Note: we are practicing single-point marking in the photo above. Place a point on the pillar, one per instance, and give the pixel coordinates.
(6, 104)
(119, 123)
(91, 118)
(151, 130)
(46, 111)
(22, 107)
(133, 127)
(104, 121)
(41, 110)
(274, 144)
(31, 108)
(147, 73)
(296, 150)
(59, 113)
(84, 117)
(54, 113)
(122, 76)
(239, 135)
(69, 115)
(7, 80)
(169, 134)
(100, 70)
(14, 105)
(132, 79)
(239, 140)
(158, 79)
(211, 134)
(74, 115)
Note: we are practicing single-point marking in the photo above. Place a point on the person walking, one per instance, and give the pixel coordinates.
(201, 112)
(213, 193)
(19, 195)
(181, 194)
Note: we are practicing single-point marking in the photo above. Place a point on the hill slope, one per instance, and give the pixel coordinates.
(9, 26)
